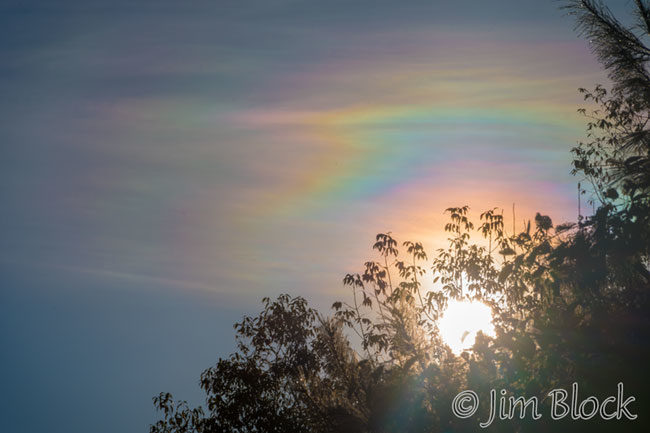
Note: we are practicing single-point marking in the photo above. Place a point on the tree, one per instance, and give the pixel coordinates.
(616, 156)
(293, 372)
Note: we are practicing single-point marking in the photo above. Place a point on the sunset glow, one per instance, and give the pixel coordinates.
(461, 321)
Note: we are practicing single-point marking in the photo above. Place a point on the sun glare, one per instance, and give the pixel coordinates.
(461, 321)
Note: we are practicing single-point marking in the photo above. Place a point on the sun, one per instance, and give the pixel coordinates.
(461, 321)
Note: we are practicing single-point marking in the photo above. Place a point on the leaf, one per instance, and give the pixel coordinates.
(611, 194)
(505, 272)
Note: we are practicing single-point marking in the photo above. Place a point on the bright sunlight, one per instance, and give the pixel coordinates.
(461, 321)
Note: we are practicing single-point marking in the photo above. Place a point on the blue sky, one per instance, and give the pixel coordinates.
(166, 164)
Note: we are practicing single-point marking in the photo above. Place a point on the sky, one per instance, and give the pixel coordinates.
(166, 164)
